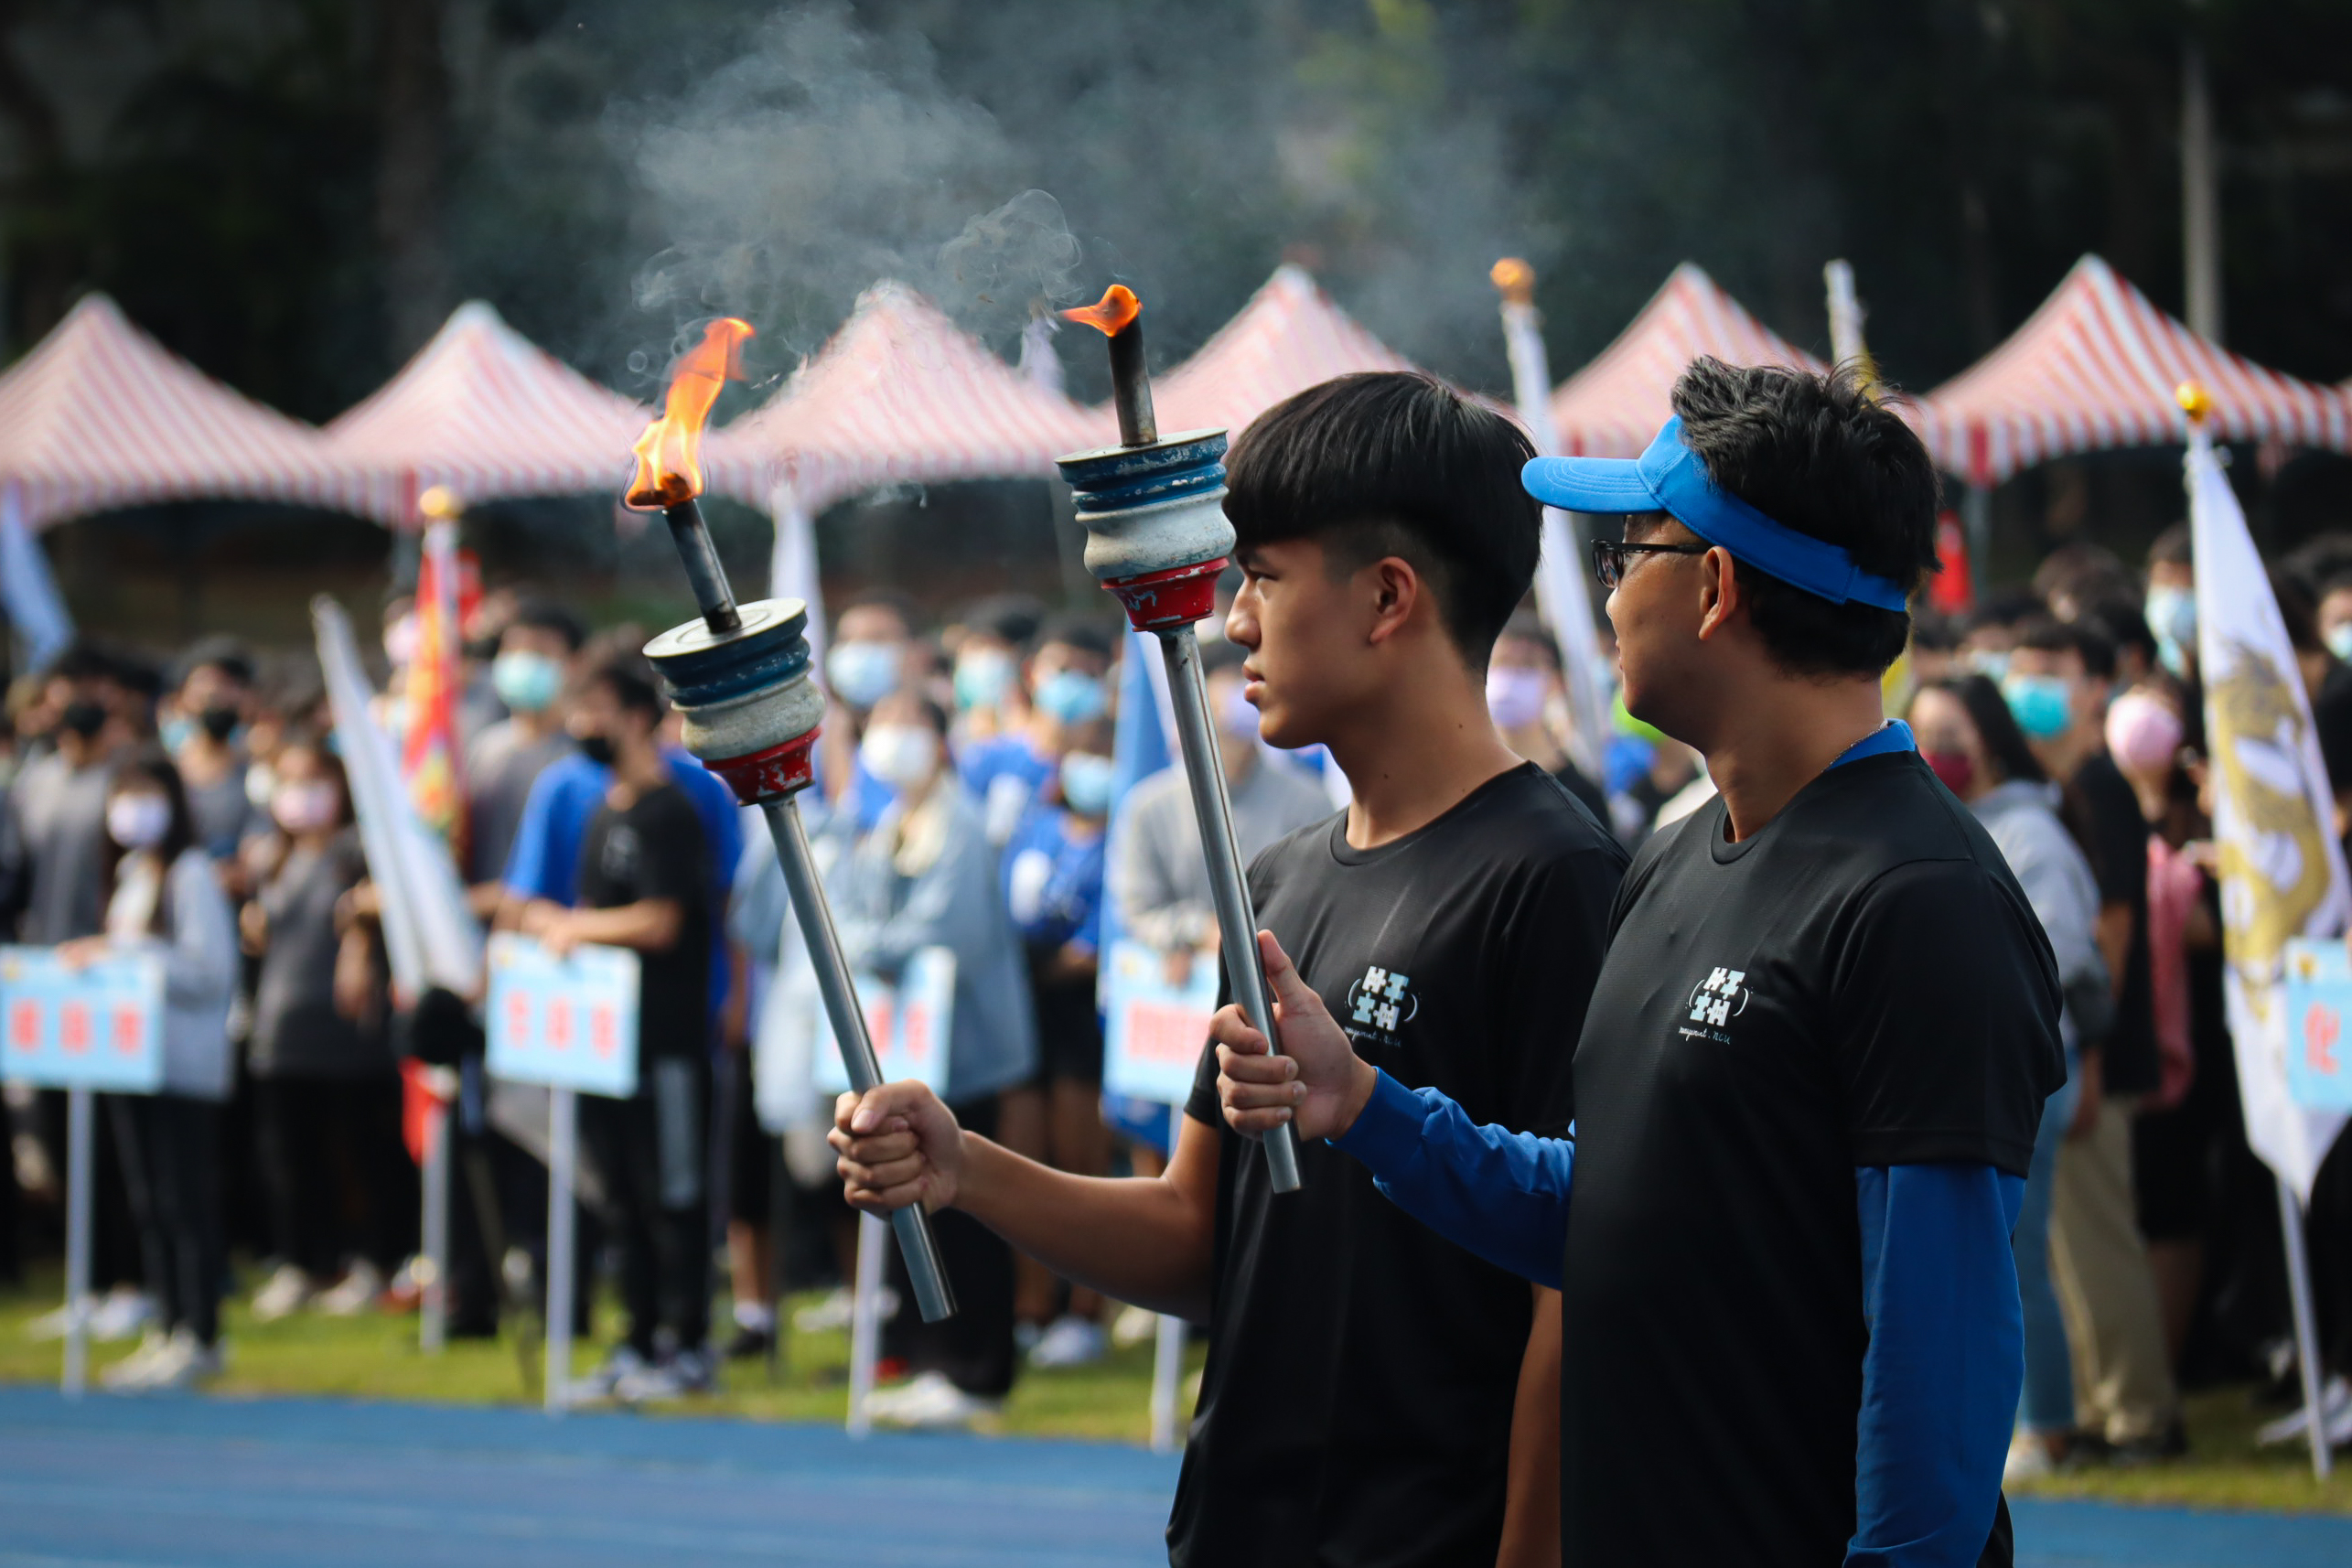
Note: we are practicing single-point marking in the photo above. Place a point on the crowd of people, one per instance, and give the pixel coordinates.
(967, 781)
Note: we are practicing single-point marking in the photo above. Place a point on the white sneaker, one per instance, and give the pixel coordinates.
(354, 1293)
(286, 1293)
(622, 1364)
(122, 1315)
(51, 1324)
(185, 1364)
(928, 1402)
(2335, 1411)
(134, 1371)
(831, 1313)
(1069, 1342)
(673, 1377)
(2029, 1459)
(1134, 1326)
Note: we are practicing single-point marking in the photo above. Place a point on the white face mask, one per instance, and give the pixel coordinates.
(138, 821)
(902, 756)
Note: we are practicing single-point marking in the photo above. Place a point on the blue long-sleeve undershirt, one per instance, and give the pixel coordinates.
(1946, 1357)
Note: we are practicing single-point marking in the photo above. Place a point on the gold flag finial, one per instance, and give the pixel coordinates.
(2194, 402)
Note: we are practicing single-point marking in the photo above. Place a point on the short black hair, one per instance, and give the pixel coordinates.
(226, 654)
(2123, 623)
(2173, 547)
(1815, 454)
(891, 599)
(541, 614)
(1009, 617)
(631, 679)
(1397, 463)
(1086, 634)
(2088, 643)
(1530, 629)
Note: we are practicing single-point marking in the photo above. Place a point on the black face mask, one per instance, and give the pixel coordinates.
(84, 719)
(597, 749)
(219, 723)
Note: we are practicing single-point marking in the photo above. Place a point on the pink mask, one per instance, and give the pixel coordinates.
(2143, 733)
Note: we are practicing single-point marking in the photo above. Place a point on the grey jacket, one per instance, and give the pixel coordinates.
(199, 950)
(1157, 879)
(2023, 819)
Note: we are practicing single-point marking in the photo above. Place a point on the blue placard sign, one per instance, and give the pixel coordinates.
(1153, 1028)
(2318, 1002)
(568, 1022)
(100, 1025)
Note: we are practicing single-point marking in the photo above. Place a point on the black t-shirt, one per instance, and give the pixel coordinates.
(656, 849)
(1356, 1411)
(1861, 983)
(2119, 861)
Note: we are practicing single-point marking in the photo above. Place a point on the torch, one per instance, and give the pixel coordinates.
(739, 678)
(1158, 538)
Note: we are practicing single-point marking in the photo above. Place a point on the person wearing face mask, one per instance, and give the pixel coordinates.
(1068, 688)
(340, 1194)
(1524, 694)
(205, 736)
(1053, 885)
(2057, 685)
(872, 654)
(533, 660)
(163, 897)
(2171, 604)
(1969, 736)
(925, 875)
(986, 674)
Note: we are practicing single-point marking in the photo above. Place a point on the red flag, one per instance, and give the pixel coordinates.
(1953, 592)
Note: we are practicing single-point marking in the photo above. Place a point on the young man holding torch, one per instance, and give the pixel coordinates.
(1809, 1081)
(1373, 1396)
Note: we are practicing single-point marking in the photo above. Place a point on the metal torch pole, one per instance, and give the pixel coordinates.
(562, 1249)
(81, 1133)
(1237, 922)
(815, 915)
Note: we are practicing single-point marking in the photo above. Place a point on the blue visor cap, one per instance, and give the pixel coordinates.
(1671, 478)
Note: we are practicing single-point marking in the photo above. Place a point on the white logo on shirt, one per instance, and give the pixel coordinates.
(1719, 998)
(1379, 998)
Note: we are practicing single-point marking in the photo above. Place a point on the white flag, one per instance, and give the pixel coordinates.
(1561, 596)
(431, 938)
(2273, 819)
(35, 609)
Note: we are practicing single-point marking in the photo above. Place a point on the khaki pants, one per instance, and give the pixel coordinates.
(2123, 1376)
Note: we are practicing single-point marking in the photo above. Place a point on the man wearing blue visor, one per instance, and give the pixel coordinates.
(1808, 1081)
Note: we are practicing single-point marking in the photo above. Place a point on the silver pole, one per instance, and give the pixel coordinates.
(865, 1324)
(2307, 1318)
(1237, 922)
(80, 1108)
(1167, 1343)
(562, 1247)
(913, 1227)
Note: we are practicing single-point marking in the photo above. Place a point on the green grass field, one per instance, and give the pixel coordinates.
(377, 1358)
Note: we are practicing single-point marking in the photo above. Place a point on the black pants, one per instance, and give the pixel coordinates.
(338, 1183)
(973, 1348)
(170, 1147)
(651, 1157)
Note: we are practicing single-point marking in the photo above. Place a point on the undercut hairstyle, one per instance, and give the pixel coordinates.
(1815, 454)
(1397, 463)
(2094, 648)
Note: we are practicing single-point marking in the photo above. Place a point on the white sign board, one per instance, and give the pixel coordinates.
(568, 1022)
(96, 1026)
(1154, 1030)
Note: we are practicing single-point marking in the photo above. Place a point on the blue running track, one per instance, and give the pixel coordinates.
(197, 1482)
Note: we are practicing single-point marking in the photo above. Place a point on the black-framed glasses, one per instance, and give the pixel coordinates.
(1609, 556)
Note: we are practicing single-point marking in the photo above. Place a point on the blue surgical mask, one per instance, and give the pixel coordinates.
(863, 673)
(2339, 641)
(1072, 697)
(1085, 783)
(175, 733)
(2042, 705)
(2172, 617)
(526, 681)
(982, 678)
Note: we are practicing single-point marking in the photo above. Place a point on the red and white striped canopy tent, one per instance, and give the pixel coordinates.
(2098, 366)
(1289, 336)
(1612, 407)
(898, 394)
(488, 413)
(100, 415)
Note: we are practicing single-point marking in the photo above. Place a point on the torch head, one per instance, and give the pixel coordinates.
(750, 713)
(1155, 520)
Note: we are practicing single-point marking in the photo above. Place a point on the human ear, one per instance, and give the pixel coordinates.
(1395, 589)
(1719, 593)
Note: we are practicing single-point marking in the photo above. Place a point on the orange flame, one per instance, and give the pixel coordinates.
(669, 455)
(1514, 279)
(1111, 315)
